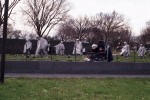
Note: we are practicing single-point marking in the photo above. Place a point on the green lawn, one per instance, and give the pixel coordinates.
(117, 58)
(75, 89)
(50, 57)
(132, 58)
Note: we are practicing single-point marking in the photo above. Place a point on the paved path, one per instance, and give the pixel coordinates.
(68, 75)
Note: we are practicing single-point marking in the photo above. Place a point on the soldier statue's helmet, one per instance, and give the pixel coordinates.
(125, 43)
(27, 39)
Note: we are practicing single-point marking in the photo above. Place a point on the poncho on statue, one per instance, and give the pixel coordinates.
(60, 48)
(141, 51)
(41, 45)
(27, 46)
(77, 47)
(125, 50)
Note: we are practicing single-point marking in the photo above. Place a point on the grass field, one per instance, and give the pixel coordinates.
(132, 58)
(75, 89)
(116, 58)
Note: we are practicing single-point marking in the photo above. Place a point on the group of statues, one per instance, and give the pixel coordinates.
(43, 47)
(125, 51)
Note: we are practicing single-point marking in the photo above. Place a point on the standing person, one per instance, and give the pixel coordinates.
(78, 47)
(141, 51)
(27, 47)
(125, 51)
(109, 55)
(41, 47)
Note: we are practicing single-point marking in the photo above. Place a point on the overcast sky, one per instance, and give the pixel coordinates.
(137, 11)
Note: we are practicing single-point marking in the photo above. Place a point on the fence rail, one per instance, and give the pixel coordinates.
(52, 57)
(14, 51)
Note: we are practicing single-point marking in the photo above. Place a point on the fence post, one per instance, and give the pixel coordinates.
(51, 53)
(75, 52)
(116, 55)
(26, 51)
(134, 54)
(4, 41)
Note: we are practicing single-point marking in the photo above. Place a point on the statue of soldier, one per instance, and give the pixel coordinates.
(42, 45)
(27, 47)
(141, 51)
(78, 47)
(125, 51)
(60, 48)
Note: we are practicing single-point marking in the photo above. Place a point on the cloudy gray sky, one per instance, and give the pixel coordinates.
(137, 11)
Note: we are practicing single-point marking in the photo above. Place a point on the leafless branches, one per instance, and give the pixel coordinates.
(72, 29)
(107, 27)
(110, 24)
(12, 4)
(145, 35)
(45, 14)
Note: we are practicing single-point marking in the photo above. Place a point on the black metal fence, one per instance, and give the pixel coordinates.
(16, 46)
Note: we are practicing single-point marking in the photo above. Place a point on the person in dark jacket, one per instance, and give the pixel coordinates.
(109, 55)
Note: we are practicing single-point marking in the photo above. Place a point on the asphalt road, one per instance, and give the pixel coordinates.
(69, 75)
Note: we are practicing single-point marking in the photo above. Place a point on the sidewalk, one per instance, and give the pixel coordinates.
(69, 75)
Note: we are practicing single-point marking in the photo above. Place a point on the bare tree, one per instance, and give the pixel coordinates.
(80, 25)
(23, 35)
(107, 27)
(120, 36)
(145, 35)
(12, 4)
(72, 29)
(43, 15)
(66, 32)
(16, 34)
(11, 32)
(96, 35)
(109, 24)
(32, 36)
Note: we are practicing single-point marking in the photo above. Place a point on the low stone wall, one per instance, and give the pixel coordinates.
(48, 67)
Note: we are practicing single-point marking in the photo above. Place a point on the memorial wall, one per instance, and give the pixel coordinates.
(16, 46)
